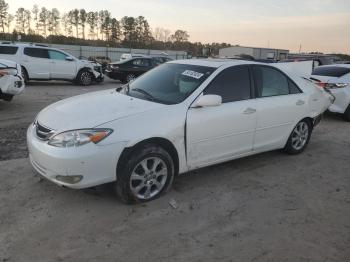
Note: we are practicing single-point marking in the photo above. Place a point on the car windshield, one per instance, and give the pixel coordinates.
(169, 83)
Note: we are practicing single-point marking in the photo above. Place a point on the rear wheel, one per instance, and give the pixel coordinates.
(148, 173)
(347, 114)
(84, 78)
(299, 138)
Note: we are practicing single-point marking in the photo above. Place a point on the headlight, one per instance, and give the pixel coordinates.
(97, 68)
(8, 71)
(80, 137)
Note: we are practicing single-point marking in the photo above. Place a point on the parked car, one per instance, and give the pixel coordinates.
(336, 79)
(102, 60)
(128, 70)
(40, 62)
(128, 56)
(11, 81)
(178, 117)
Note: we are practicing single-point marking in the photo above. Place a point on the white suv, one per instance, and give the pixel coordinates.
(40, 62)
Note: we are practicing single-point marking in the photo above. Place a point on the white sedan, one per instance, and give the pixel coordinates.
(335, 79)
(178, 117)
(11, 81)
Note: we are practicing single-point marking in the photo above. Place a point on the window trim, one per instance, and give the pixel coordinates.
(53, 50)
(256, 91)
(251, 84)
(13, 47)
(28, 47)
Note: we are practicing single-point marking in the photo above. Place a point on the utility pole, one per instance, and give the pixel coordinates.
(299, 48)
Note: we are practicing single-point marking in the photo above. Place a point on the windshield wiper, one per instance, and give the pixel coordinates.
(144, 93)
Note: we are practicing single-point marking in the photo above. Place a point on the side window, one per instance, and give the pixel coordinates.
(270, 82)
(232, 84)
(293, 88)
(8, 50)
(141, 62)
(57, 55)
(36, 52)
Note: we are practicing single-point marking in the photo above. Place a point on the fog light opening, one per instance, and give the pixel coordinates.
(69, 179)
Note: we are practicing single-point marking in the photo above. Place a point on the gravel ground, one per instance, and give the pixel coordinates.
(268, 207)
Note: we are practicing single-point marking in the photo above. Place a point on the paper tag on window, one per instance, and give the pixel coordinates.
(193, 74)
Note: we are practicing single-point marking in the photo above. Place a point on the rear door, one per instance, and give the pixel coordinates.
(219, 133)
(37, 62)
(280, 105)
(60, 67)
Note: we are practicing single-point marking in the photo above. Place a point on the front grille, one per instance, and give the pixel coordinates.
(42, 132)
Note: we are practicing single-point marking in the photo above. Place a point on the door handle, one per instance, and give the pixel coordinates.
(249, 111)
(300, 102)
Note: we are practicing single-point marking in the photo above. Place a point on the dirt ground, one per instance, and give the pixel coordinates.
(268, 207)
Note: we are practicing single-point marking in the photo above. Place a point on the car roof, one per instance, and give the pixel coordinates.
(216, 63)
(336, 65)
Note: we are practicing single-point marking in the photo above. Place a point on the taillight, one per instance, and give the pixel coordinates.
(331, 85)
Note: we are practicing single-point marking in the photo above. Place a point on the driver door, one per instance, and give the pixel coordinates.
(219, 133)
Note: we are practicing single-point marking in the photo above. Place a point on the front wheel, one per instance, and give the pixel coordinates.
(299, 138)
(148, 173)
(84, 78)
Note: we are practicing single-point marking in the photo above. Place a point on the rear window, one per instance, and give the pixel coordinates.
(331, 71)
(8, 50)
(36, 52)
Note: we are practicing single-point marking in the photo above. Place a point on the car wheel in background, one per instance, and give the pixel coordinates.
(84, 78)
(347, 114)
(299, 138)
(25, 75)
(130, 77)
(148, 173)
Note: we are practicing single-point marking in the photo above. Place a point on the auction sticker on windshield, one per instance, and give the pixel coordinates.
(193, 74)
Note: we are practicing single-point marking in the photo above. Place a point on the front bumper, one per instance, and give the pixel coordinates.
(95, 163)
(11, 85)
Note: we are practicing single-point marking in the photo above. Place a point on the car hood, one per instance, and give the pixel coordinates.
(92, 109)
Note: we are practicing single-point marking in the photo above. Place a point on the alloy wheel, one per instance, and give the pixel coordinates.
(300, 135)
(148, 178)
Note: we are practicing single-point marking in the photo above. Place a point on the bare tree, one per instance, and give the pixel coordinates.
(9, 20)
(74, 20)
(67, 26)
(92, 21)
(54, 21)
(35, 12)
(82, 21)
(44, 17)
(3, 14)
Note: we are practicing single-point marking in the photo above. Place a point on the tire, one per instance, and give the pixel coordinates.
(6, 97)
(299, 138)
(25, 75)
(129, 78)
(147, 174)
(346, 115)
(84, 78)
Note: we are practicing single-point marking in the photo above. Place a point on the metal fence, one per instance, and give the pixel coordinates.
(114, 53)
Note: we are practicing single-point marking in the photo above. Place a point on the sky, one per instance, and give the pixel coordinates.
(316, 25)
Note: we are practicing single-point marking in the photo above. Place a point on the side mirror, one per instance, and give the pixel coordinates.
(68, 58)
(208, 100)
